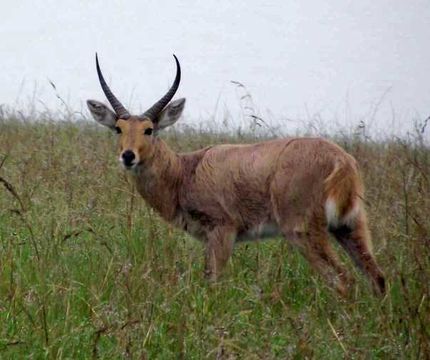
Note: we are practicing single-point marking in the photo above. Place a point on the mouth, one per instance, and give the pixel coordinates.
(128, 166)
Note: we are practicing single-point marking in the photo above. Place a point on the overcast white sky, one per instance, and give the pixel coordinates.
(297, 57)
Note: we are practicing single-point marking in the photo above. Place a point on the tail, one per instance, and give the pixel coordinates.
(346, 218)
(343, 194)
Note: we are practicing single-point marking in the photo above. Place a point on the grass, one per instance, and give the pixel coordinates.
(88, 271)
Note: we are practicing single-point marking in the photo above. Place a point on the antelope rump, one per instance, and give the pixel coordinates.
(303, 189)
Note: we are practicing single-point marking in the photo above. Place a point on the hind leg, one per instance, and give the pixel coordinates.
(315, 246)
(355, 239)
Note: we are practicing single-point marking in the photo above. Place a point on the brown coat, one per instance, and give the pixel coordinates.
(300, 188)
(296, 187)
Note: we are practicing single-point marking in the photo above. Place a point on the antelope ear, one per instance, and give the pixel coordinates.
(102, 114)
(170, 114)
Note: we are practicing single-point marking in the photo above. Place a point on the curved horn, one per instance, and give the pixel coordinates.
(117, 106)
(155, 109)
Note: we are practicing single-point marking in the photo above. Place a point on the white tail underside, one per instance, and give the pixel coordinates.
(333, 217)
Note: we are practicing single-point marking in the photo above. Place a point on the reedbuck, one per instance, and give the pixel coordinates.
(300, 188)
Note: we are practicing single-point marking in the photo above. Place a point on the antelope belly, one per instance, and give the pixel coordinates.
(262, 231)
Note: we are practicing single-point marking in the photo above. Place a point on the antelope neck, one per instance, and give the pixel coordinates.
(158, 178)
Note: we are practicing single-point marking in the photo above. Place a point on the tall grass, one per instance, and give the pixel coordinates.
(88, 271)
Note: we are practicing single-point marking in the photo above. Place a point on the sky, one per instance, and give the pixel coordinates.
(342, 61)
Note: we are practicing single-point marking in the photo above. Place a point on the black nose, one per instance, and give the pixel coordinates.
(128, 157)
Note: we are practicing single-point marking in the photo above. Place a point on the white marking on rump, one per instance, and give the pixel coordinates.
(332, 213)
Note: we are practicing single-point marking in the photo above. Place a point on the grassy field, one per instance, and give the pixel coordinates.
(88, 271)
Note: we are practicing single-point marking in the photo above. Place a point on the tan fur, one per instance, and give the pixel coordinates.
(228, 192)
(300, 188)
(344, 186)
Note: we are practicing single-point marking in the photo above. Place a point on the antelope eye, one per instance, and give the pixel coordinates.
(118, 130)
(148, 131)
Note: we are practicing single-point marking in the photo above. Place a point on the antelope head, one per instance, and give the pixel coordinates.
(136, 132)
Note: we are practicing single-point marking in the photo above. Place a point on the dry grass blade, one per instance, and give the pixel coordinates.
(336, 335)
(76, 233)
(3, 161)
(9, 187)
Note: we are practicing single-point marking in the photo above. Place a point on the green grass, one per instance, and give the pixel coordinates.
(88, 271)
